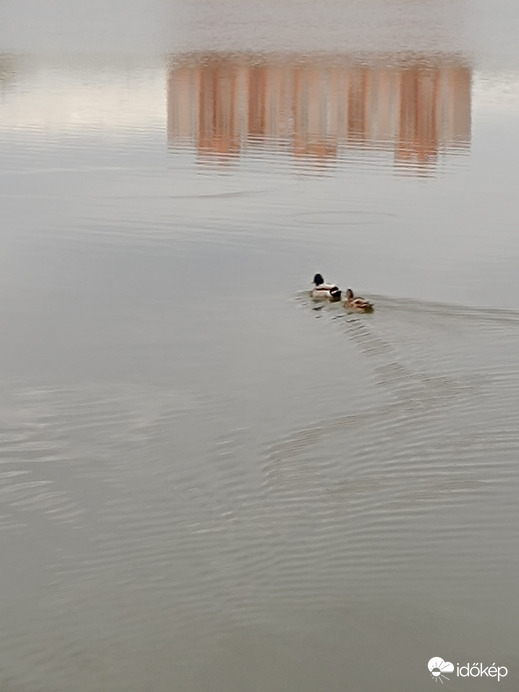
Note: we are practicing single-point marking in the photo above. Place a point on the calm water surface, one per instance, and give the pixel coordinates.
(207, 482)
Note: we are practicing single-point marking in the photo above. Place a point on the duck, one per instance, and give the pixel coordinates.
(323, 291)
(357, 304)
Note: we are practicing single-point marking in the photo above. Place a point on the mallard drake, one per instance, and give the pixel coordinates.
(357, 304)
(325, 291)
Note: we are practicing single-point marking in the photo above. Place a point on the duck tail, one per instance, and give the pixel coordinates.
(335, 293)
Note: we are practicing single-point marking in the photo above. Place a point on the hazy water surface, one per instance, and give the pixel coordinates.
(209, 482)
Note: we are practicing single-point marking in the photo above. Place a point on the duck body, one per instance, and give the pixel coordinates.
(324, 291)
(357, 304)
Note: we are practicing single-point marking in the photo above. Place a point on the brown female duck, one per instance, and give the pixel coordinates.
(357, 304)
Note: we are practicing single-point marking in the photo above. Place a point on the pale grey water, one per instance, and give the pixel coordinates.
(206, 483)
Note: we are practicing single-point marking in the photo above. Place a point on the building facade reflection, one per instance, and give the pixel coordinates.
(318, 109)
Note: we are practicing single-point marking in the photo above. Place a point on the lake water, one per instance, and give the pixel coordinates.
(207, 481)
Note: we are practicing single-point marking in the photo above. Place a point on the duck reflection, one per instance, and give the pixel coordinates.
(319, 108)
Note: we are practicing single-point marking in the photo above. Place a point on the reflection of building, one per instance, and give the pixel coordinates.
(319, 108)
(9, 67)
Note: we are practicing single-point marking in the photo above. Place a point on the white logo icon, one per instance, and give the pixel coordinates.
(439, 667)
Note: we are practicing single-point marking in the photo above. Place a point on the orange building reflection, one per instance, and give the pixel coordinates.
(318, 109)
